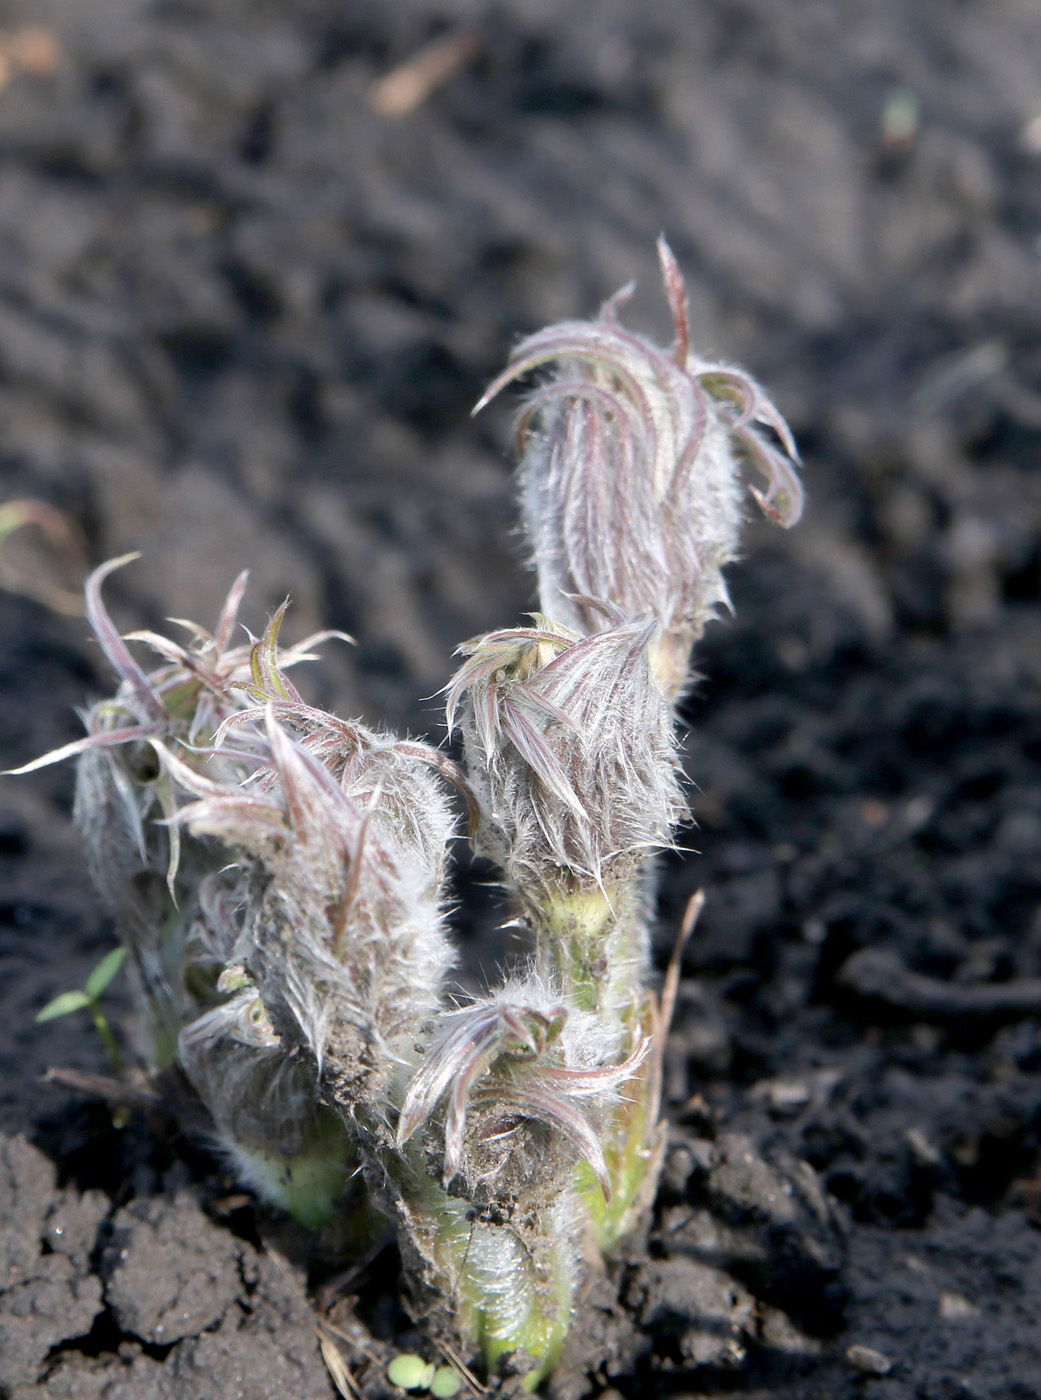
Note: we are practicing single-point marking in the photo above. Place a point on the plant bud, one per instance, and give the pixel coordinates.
(629, 473)
(125, 798)
(570, 746)
(343, 933)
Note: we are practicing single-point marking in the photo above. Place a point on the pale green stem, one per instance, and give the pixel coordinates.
(595, 942)
(632, 1146)
(108, 1038)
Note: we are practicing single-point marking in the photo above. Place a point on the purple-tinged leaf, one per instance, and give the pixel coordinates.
(112, 643)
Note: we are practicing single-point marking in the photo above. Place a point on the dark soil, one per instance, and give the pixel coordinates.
(243, 317)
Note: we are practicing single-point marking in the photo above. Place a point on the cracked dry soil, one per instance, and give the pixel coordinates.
(243, 317)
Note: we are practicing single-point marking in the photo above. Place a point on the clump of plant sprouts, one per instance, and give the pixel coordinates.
(277, 874)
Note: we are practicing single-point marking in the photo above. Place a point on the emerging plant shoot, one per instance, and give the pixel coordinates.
(277, 873)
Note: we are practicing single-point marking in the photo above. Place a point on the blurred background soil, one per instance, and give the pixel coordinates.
(257, 262)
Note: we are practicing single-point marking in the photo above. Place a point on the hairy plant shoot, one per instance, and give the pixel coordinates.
(277, 874)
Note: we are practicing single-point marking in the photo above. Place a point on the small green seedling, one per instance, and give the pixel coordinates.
(88, 999)
(411, 1372)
